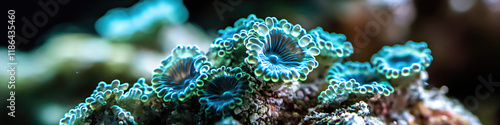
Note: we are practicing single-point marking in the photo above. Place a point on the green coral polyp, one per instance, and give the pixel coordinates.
(232, 38)
(139, 91)
(102, 97)
(280, 51)
(104, 92)
(402, 60)
(77, 114)
(240, 25)
(332, 44)
(180, 73)
(124, 117)
(354, 77)
(264, 51)
(224, 89)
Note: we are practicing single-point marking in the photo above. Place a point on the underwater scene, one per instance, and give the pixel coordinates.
(241, 62)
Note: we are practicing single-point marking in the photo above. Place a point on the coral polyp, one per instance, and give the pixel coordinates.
(76, 115)
(332, 45)
(139, 91)
(105, 92)
(240, 25)
(180, 73)
(124, 117)
(402, 60)
(261, 72)
(230, 44)
(224, 89)
(109, 98)
(354, 77)
(224, 47)
(281, 51)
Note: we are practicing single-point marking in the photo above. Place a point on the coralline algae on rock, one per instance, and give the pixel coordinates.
(265, 71)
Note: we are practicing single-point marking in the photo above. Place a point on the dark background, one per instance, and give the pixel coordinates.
(465, 45)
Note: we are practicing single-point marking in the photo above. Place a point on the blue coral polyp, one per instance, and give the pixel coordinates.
(354, 77)
(179, 75)
(402, 60)
(74, 116)
(331, 45)
(280, 51)
(280, 57)
(224, 89)
(231, 38)
(139, 91)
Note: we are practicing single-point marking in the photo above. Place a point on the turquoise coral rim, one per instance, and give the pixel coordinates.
(223, 89)
(232, 38)
(105, 94)
(402, 60)
(331, 44)
(140, 91)
(179, 75)
(280, 51)
(354, 77)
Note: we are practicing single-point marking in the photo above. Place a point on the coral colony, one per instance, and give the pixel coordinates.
(270, 71)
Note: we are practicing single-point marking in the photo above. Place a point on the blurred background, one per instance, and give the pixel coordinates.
(66, 47)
